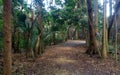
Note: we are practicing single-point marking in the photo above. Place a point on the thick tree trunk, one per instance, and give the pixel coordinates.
(92, 40)
(37, 46)
(105, 42)
(7, 37)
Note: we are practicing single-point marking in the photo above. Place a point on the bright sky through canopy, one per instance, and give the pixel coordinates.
(46, 2)
(29, 1)
(101, 1)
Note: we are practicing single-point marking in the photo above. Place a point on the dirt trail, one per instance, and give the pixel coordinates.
(70, 59)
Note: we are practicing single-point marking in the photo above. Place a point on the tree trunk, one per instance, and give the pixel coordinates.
(116, 40)
(16, 41)
(7, 37)
(37, 46)
(96, 14)
(105, 42)
(76, 34)
(83, 32)
(110, 10)
(110, 5)
(40, 46)
(92, 40)
(68, 33)
(53, 38)
(117, 7)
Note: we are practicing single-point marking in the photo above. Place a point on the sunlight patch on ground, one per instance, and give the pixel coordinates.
(62, 72)
(64, 48)
(77, 41)
(63, 60)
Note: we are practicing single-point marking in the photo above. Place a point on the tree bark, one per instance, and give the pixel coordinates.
(68, 32)
(92, 40)
(117, 7)
(110, 5)
(105, 42)
(7, 37)
(96, 14)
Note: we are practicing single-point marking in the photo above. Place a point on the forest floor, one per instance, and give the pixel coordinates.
(67, 58)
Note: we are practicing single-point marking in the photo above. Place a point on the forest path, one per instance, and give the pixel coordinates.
(69, 58)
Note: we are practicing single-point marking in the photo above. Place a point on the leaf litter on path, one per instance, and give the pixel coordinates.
(69, 58)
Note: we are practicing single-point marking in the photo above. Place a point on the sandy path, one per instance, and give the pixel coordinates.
(70, 59)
